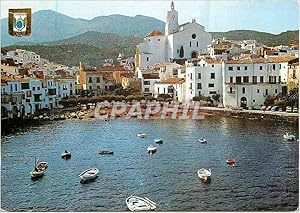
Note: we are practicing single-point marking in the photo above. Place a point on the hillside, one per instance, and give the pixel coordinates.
(72, 54)
(60, 26)
(266, 38)
(101, 40)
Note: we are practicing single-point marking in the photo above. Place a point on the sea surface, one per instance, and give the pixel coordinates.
(265, 177)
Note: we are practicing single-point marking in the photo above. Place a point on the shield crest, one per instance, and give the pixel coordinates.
(19, 22)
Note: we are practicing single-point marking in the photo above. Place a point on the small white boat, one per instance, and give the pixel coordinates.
(36, 173)
(204, 174)
(151, 149)
(89, 174)
(66, 154)
(158, 140)
(202, 140)
(41, 166)
(135, 203)
(289, 136)
(141, 135)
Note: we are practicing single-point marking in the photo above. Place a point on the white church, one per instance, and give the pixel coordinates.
(184, 41)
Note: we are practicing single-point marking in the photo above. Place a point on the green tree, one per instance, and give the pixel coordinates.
(181, 52)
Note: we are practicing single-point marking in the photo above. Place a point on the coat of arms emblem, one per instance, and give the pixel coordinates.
(19, 22)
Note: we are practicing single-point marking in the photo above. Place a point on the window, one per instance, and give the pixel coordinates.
(254, 79)
(231, 80)
(243, 90)
(146, 89)
(230, 89)
(197, 44)
(98, 79)
(212, 76)
(260, 67)
(279, 79)
(90, 80)
(257, 90)
(158, 90)
(279, 66)
(91, 87)
(212, 92)
(193, 36)
(266, 91)
(238, 68)
(211, 85)
(191, 85)
(272, 79)
(261, 79)
(199, 86)
(147, 58)
(238, 79)
(275, 90)
(230, 68)
(38, 88)
(199, 93)
(16, 87)
(253, 100)
(164, 90)
(98, 87)
(212, 65)
(25, 86)
(191, 76)
(245, 79)
(199, 75)
(274, 66)
(146, 82)
(33, 88)
(190, 44)
(246, 68)
(158, 39)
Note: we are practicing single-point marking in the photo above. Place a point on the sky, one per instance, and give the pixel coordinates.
(274, 16)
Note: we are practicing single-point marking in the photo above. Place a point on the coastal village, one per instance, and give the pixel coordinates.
(183, 64)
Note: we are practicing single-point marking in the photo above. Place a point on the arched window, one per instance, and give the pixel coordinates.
(193, 36)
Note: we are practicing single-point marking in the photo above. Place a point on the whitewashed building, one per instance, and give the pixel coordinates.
(188, 40)
(203, 77)
(174, 87)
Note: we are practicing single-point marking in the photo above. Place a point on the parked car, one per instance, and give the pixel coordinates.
(288, 109)
(274, 108)
(295, 109)
(263, 107)
(269, 108)
(280, 109)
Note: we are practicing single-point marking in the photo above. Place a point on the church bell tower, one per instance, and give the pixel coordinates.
(172, 21)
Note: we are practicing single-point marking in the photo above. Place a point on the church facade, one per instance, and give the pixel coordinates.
(184, 41)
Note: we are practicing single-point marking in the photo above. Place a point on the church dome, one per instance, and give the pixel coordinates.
(154, 33)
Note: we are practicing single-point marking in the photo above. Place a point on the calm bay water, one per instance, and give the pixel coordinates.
(265, 176)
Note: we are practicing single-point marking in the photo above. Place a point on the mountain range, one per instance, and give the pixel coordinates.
(67, 40)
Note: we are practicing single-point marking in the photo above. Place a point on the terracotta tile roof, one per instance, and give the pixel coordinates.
(154, 33)
(280, 59)
(275, 59)
(173, 81)
(5, 79)
(213, 61)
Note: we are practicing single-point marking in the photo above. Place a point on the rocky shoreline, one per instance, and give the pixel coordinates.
(107, 112)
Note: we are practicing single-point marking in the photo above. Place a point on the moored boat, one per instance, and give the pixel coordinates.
(151, 149)
(230, 161)
(135, 203)
(66, 154)
(141, 135)
(35, 173)
(41, 166)
(289, 136)
(204, 174)
(202, 140)
(105, 152)
(89, 174)
(158, 141)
